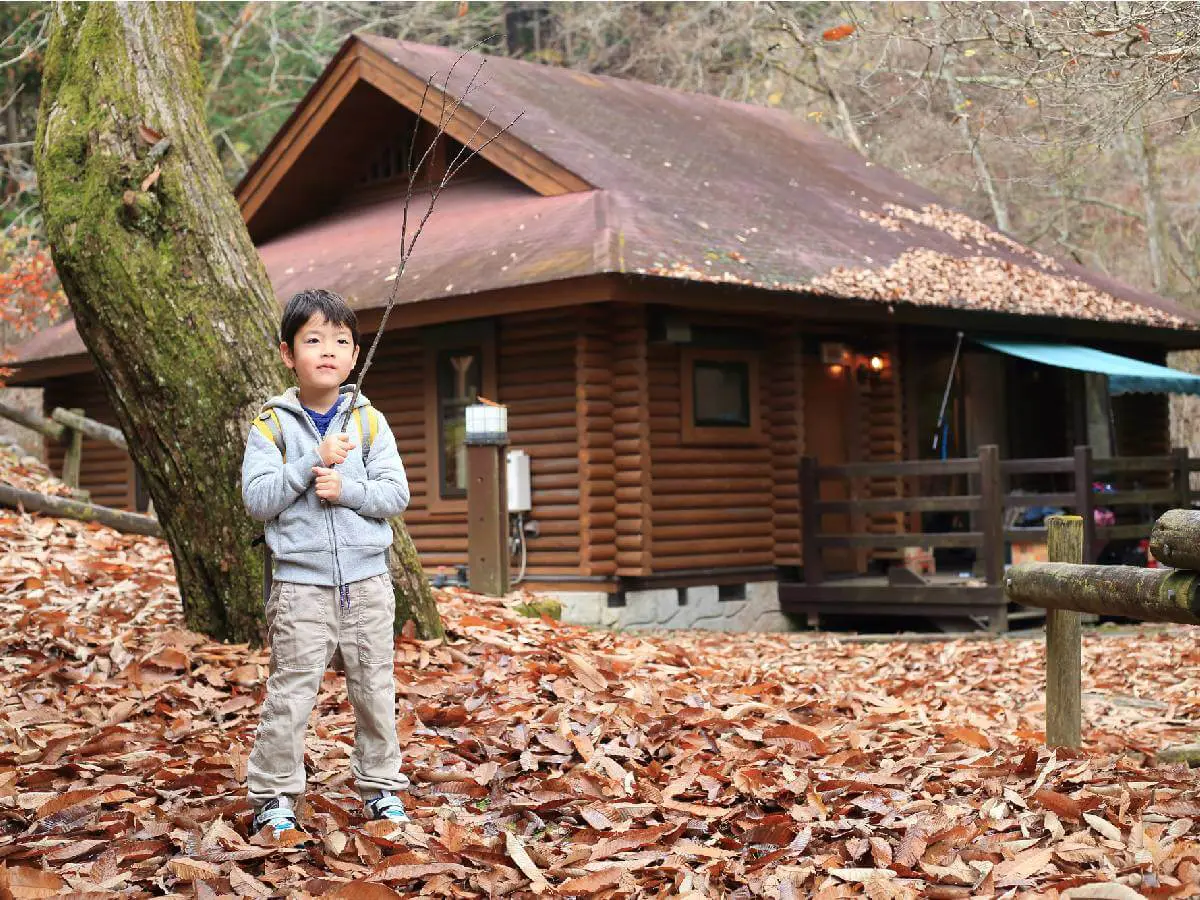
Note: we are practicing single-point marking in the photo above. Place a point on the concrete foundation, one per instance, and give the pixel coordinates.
(750, 607)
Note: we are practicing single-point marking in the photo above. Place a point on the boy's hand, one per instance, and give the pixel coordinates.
(329, 484)
(335, 448)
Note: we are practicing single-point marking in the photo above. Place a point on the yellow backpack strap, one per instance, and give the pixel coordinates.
(262, 427)
(274, 435)
(367, 433)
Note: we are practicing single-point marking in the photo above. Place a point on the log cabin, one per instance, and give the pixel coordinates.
(677, 297)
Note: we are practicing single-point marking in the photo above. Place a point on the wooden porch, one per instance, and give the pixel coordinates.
(858, 519)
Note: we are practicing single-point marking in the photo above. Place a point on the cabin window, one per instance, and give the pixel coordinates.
(720, 396)
(460, 367)
(458, 386)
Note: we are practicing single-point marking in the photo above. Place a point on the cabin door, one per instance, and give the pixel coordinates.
(830, 401)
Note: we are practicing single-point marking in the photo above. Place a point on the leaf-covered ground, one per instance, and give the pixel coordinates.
(560, 761)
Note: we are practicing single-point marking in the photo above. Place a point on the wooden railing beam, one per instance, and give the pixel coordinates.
(97, 431)
(40, 424)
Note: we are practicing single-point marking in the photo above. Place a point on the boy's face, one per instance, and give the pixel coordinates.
(324, 354)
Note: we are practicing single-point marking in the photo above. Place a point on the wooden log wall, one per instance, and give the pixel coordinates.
(396, 387)
(106, 471)
(537, 370)
(713, 506)
(784, 379)
(597, 469)
(536, 380)
(616, 491)
(631, 440)
(882, 437)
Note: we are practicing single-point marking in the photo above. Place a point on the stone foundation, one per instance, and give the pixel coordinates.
(756, 609)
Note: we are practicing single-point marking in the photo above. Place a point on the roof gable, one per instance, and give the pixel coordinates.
(362, 101)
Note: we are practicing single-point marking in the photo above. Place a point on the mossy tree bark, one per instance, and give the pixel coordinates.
(168, 291)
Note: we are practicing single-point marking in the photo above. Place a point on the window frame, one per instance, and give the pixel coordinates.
(435, 341)
(719, 434)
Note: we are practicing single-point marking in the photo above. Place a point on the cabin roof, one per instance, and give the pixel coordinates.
(608, 175)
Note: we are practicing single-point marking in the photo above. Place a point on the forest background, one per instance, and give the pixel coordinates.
(1071, 126)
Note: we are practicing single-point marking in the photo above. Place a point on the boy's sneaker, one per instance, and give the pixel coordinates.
(387, 807)
(279, 816)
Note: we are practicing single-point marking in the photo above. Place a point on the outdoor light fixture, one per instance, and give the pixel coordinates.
(840, 359)
(487, 423)
(871, 367)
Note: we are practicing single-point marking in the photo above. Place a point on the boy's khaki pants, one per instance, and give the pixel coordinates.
(306, 625)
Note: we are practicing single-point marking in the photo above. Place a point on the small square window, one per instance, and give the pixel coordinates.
(722, 394)
(721, 402)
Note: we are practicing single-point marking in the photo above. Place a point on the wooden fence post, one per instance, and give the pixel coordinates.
(1064, 651)
(991, 526)
(991, 512)
(1183, 478)
(1085, 502)
(74, 455)
(810, 520)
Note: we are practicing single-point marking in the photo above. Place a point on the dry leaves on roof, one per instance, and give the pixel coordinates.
(969, 232)
(1025, 282)
(557, 761)
(988, 284)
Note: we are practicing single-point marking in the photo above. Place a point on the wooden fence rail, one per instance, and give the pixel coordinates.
(33, 421)
(1065, 587)
(987, 498)
(70, 426)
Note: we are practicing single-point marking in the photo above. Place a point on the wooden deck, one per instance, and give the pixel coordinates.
(984, 492)
(944, 598)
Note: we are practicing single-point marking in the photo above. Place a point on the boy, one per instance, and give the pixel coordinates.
(328, 531)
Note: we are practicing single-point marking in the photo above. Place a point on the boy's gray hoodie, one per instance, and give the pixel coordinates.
(316, 543)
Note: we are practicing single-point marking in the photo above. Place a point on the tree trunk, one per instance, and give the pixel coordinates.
(958, 111)
(168, 292)
(1145, 163)
(414, 599)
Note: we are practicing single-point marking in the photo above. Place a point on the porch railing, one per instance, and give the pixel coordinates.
(980, 486)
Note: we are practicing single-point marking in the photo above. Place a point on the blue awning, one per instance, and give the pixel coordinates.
(1125, 375)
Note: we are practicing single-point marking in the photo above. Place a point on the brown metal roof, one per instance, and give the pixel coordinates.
(483, 235)
(707, 189)
(686, 186)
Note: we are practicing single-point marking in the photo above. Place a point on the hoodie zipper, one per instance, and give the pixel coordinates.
(343, 590)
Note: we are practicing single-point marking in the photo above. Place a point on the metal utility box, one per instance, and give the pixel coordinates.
(520, 494)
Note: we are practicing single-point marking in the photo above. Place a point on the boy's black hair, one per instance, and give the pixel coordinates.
(305, 304)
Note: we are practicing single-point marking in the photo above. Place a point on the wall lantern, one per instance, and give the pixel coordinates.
(836, 357)
(871, 367)
(839, 360)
